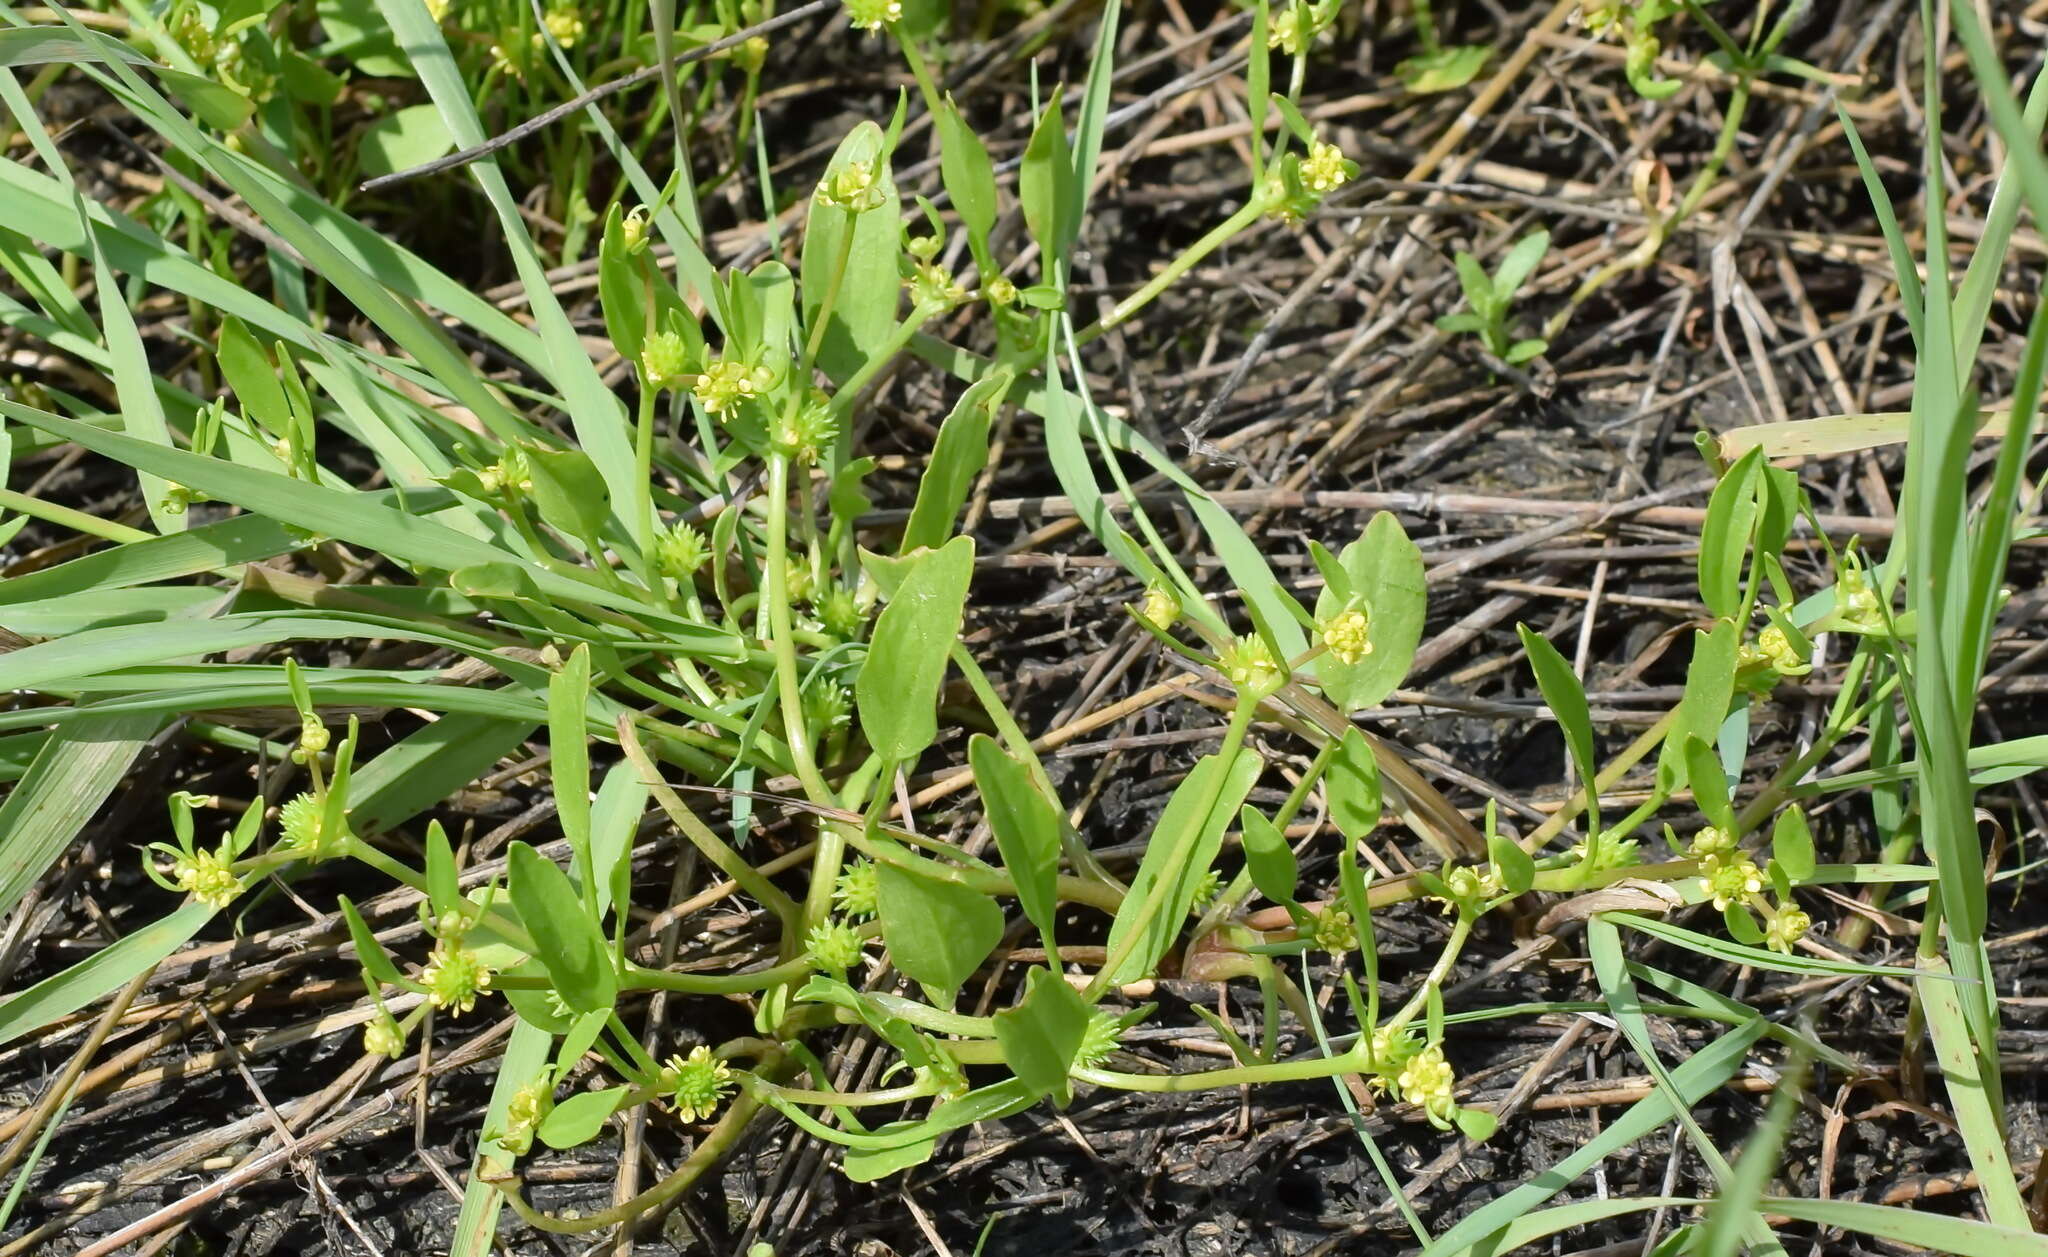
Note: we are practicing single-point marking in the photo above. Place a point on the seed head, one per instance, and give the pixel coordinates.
(680, 552)
(665, 359)
(1102, 1037)
(858, 892)
(833, 946)
(872, 15)
(302, 826)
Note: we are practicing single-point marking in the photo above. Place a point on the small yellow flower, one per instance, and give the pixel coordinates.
(1786, 928)
(528, 1108)
(933, 287)
(383, 1036)
(724, 385)
(1325, 169)
(750, 56)
(633, 230)
(207, 877)
(697, 1083)
(1000, 291)
(853, 187)
(439, 9)
(1778, 651)
(454, 977)
(1286, 34)
(1731, 879)
(1250, 665)
(1348, 635)
(1426, 1081)
(565, 25)
(1160, 609)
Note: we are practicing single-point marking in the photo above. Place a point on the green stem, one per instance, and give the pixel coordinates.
(844, 397)
(639, 559)
(1350, 1062)
(640, 978)
(1218, 236)
(395, 869)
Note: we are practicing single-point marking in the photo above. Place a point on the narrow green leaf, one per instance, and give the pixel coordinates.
(1026, 826)
(403, 138)
(1975, 1105)
(1041, 184)
(853, 259)
(526, 1053)
(568, 943)
(1268, 857)
(100, 974)
(568, 490)
(1520, 263)
(1725, 535)
(1517, 867)
(569, 765)
(1351, 784)
(1693, 1081)
(1792, 844)
(1709, 785)
(957, 458)
(73, 773)
(898, 688)
(1177, 856)
(1566, 699)
(370, 953)
(1709, 685)
(970, 178)
(444, 888)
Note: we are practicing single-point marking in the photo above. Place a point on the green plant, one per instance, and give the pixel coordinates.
(1437, 68)
(599, 562)
(1492, 298)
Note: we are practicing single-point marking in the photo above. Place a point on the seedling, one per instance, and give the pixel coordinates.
(1492, 298)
